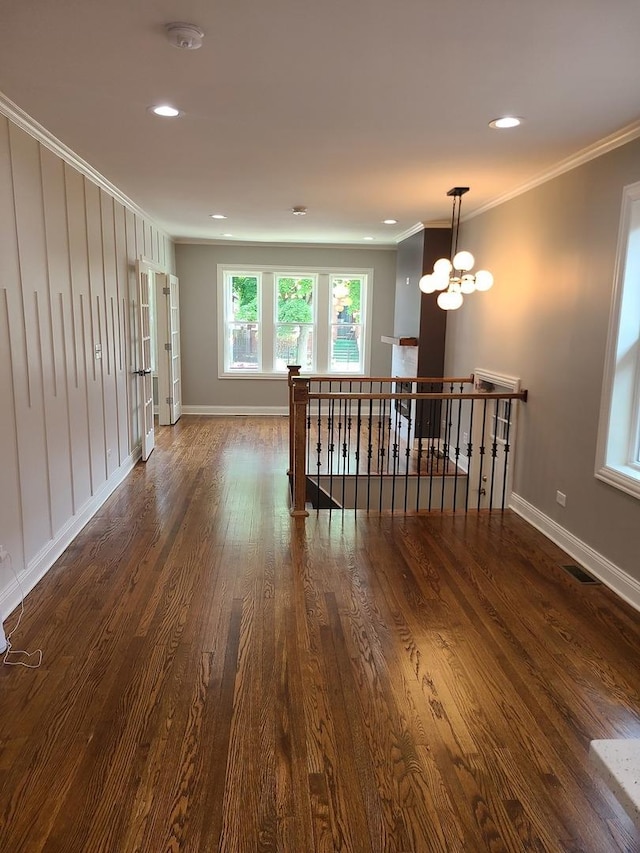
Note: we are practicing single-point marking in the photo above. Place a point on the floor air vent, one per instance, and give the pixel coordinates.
(580, 575)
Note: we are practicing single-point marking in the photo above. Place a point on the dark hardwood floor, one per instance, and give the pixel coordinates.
(220, 677)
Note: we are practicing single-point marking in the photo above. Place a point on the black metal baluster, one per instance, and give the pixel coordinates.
(369, 455)
(359, 432)
(484, 425)
(419, 478)
(382, 415)
(457, 456)
(494, 450)
(407, 454)
(507, 448)
(469, 454)
(319, 453)
(330, 437)
(394, 450)
(445, 450)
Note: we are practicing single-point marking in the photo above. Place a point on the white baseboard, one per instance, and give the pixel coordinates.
(613, 576)
(11, 596)
(216, 411)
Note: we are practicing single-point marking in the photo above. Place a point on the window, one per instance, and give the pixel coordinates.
(269, 317)
(618, 455)
(346, 325)
(295, 321)
(242, 309)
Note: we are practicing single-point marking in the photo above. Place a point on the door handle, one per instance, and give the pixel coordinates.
(142, 372)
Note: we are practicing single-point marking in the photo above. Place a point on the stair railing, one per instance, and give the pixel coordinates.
(367, 431)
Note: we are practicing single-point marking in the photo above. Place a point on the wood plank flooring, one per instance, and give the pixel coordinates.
(220, 677)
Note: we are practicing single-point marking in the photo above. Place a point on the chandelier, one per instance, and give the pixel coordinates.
(454, 277)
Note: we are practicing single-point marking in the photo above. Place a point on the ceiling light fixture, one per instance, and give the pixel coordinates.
(165, 110)
(299, 210)
(505, 122)
(217, 216)
(389, 221)
(184, 36)
(454, 277)
(368, 238)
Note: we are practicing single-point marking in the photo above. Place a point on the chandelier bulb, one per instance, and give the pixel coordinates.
(443, 266)
(463, 261)
(427, 284)
(484, 280)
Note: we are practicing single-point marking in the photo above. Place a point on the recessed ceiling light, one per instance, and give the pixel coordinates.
(368, 238)
(217, 216)
(227, 235)
(505, 121)
(389, 221)
(299, 210)
(165, 110)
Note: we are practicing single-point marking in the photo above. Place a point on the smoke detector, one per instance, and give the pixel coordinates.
(184, 36)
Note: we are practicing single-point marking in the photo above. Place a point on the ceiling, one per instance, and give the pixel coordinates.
(359, 110)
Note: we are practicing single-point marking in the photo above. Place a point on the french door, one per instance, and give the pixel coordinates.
(168, 326)
(143, 370)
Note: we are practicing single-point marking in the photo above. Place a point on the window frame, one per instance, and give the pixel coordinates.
(267, 275)
(618, 449)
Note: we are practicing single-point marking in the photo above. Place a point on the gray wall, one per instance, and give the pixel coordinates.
(552, 252)
(197, 269)
(408, 294)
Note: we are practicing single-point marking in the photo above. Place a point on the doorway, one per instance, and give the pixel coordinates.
(157, 349)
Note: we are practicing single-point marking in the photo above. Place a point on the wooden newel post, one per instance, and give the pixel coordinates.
(294, 370)
(300, 404)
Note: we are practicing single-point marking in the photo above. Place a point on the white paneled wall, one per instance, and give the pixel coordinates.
(68, 421)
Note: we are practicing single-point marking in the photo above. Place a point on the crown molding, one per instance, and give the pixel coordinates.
(419, 226)
(29, 125)
(591, 152)
(205, 241)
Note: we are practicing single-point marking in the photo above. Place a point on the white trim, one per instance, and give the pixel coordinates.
(415, 229)
(591, 152)
(154, 265)
(46, 557)
(617, 444)
(627, 587)
(29, 125)
(619, 480)
(226, 411)
(206, 241)
(511, 382)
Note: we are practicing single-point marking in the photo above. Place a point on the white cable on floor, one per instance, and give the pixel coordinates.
(9, 648)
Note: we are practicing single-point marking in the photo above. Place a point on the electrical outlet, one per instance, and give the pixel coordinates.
(561, 498)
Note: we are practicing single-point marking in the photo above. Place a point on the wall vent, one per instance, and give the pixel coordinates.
(580, 574)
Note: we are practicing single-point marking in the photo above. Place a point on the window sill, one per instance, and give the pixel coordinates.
(252, 374)
(626, 478)
(283, 375)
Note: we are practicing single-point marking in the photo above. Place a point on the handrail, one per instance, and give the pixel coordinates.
(421, 380)
(463, 395)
